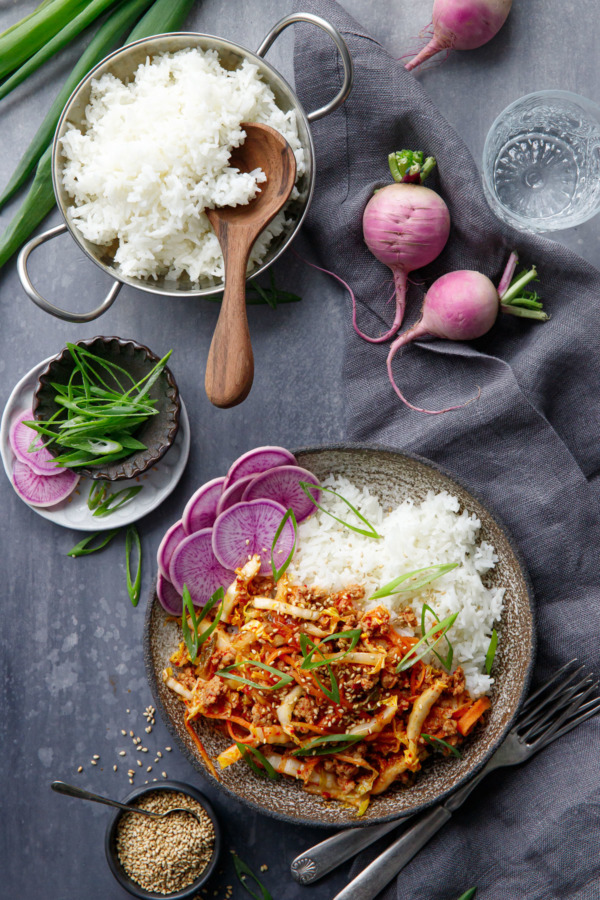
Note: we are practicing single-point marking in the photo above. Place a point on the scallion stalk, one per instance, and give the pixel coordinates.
(32, 32)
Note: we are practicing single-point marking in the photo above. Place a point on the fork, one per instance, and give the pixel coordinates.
(557, 706)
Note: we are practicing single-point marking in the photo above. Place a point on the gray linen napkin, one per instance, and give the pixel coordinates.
(530, 447)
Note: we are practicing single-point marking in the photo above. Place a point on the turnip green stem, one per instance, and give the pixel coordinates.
(525, 313)
(410, 166)
(517, 285)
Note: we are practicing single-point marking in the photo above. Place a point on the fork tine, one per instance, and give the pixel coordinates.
(591, 709)
(551, 729)
(547, 684)
(573, 692)
(556, 691)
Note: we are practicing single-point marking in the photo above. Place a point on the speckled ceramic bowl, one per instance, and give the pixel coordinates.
(393, 477)
(112, 856)
(157, 433)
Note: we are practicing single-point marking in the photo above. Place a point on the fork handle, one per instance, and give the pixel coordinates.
(372, 880)
(333, 851)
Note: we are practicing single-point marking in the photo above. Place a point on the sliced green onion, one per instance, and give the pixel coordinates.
(133, 586)
(194, 640)
(83, 548)
(307, 486)
(314, 748)
(248, 752)
(428, 574)
(283, 678)
(113, 503)
(468, 895)
(440, 628)
(333, 691)
(98, 493)
(489, 656)
(353, 636)
(447, 662)
(277, 573)
(438, 741)
(243, 871)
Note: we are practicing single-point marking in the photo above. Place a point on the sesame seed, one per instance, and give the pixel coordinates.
(80, 769)
(148, 729)
(122, 753)
(139, 762)
(114, 768)
(149, 769)
(159, 754)
(131, 734)
(123, 731)
(168, 749)
(164, 774)
(95, 756)
(127, 710)
(93, 762)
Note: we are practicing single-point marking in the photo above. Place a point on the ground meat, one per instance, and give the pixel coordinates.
(341, 768)
(187, 677)
(211, 691)
(389, 680)
(222, 658)
(376, 622)
(306, 709)
(262, 715)
(408, 615)
(457, 682)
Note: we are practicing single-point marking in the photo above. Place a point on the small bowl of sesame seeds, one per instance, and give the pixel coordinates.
(171, 857)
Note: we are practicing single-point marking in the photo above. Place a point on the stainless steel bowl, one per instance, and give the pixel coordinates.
(123, 63)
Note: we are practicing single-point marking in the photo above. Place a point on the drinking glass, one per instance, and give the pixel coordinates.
(541, 162)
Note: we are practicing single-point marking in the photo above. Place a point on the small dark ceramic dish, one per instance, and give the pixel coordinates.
(157, 432)
(110, 842)
(392, 477)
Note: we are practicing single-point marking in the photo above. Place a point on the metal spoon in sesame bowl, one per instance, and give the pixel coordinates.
(71, 791)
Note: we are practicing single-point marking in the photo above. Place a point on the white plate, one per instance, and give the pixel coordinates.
(73, 512)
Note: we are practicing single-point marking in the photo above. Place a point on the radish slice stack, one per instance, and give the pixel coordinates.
(35, 476)
(228, 520)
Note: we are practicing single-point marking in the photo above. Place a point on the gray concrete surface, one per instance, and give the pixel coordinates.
(71, 642)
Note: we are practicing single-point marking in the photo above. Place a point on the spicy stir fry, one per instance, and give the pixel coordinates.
(309, 686)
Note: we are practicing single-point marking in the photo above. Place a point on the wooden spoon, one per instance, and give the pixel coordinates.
(230, 364)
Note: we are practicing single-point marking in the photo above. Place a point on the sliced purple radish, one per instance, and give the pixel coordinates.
(195, 565)
(42, 490)
(201, 509)
(21, 437)
(258, 460)
(249, 528)
(170, 600)
(167, 547)
(282, 485)
(233, 494)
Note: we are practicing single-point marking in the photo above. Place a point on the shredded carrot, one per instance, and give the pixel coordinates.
(207, 760)
(468, 720)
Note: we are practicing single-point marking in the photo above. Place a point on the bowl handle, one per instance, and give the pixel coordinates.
(44, 304)
(340, 44)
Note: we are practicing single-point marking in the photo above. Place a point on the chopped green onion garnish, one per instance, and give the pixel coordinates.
(283, 678)
(308, 486)
(489, 656)
(194, 640)
(314, 748)
(98, 493)
(415, 583)
(248, 752)
(468, 895)
(439, 629)
(109, 505)
(447, 662)
(242, 871)
(435, 740)
(333, 691)
(277, 573)
(83, 547)
(133, 587)
(353, 636)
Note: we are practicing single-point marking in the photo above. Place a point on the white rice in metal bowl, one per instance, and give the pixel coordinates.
(414, 535)
(154, 155)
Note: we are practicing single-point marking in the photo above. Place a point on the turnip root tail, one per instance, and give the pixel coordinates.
(410, 166)
(434, 46)
(400, 280)
(417, 331)
(516, 301)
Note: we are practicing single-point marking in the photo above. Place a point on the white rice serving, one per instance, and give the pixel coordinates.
(414, 535)
(154, 154)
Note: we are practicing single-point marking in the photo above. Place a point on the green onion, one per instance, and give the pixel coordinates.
(243, 871)
(109, 506)
(193, 640)
(489, 656)
(283, 678)
(277, 573)
(428, 574)
(72, 28)
(447, 662)
(247, 753)
(468, 895)
(333, 691)
(98, 493)
(353, 636)
(162, 17)
(83, 548)
(435, 741)
(307, 487)
(440, 628)
(133, 587)
(344, 740)
(32, 33)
